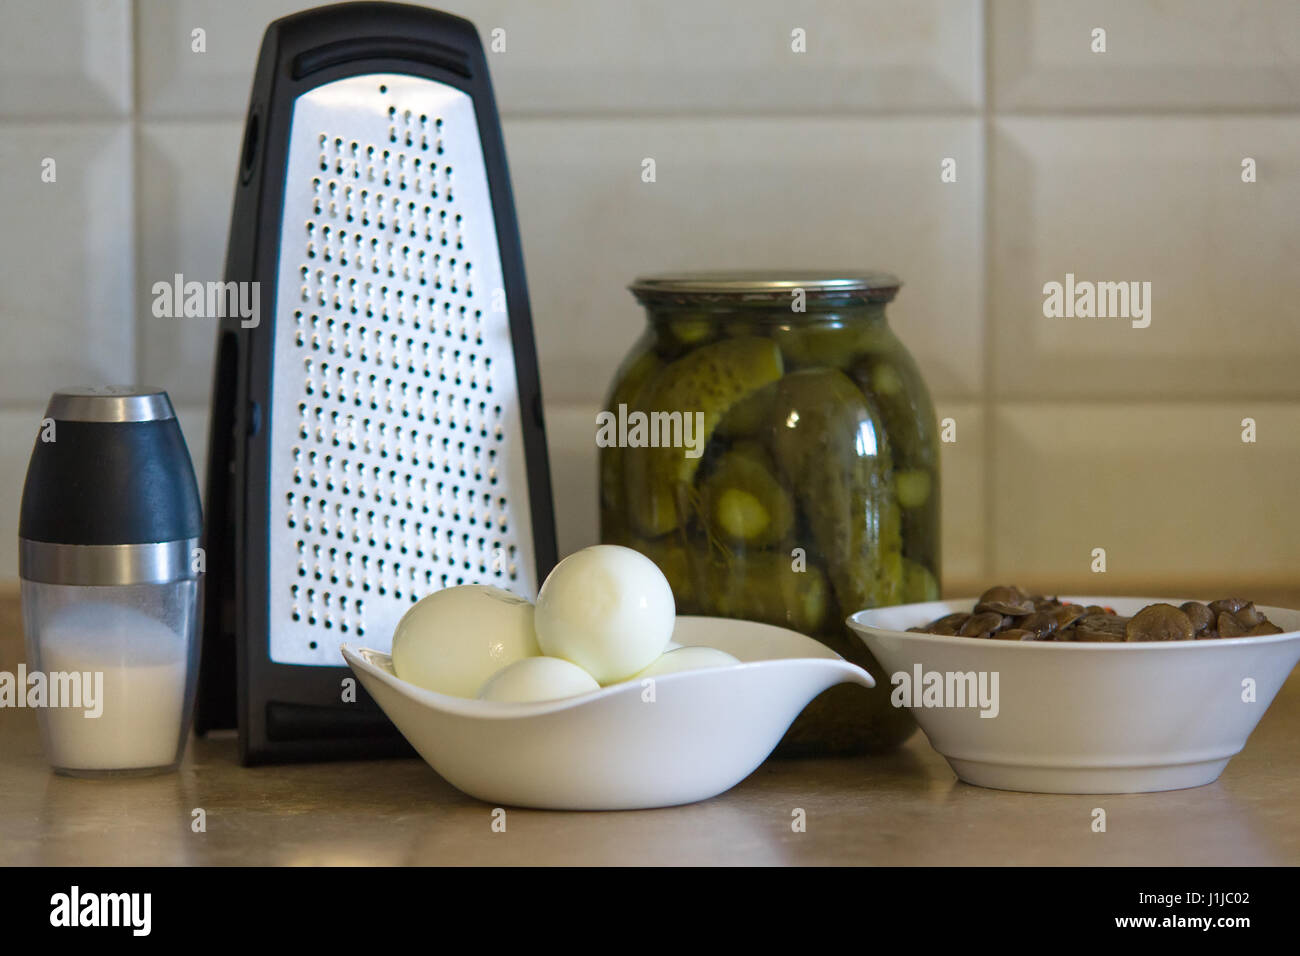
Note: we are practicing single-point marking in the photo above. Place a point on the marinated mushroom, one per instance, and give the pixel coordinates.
(1015, 634)
(1231, 605)
(1066, 614)
(1005, 600)
(1159, 622)
(1201, 616)
(985, 622)
(1007, 613)
(1102, 627)
(1249, 615)
(1040, 623)
(1229, 626)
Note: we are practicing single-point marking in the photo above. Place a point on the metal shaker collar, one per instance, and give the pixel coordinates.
(107, 564)
(109, 403)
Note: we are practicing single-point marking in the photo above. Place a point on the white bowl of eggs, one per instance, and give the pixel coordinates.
(598, 697)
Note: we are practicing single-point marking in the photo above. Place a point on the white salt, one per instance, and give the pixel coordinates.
(144, 666)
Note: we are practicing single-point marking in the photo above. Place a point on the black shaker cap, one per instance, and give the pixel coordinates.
(110, 466)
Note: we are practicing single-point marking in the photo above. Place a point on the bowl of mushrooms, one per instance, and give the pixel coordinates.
(1083, 694)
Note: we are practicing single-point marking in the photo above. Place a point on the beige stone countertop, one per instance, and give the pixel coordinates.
(905, 808)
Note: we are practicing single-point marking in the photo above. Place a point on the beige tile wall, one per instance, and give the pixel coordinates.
(1073, 434)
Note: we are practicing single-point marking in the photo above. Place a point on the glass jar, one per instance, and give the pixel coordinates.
(777, 456)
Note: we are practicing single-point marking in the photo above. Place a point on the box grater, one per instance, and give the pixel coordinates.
(377, 435)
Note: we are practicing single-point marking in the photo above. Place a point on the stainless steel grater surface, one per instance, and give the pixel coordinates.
(396, 439)
(378, 435)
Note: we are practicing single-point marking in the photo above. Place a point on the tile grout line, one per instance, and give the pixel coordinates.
(1162, 114)
(137, 210)
(988, 464)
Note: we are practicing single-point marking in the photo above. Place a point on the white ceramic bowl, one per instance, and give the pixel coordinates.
(1088, 718)
(613, 749)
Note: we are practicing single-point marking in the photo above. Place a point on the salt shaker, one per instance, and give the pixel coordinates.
(108, 555)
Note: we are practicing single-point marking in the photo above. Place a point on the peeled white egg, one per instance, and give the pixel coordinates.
(607, 609)
(455, 639)
(536, 679)
(691, 658)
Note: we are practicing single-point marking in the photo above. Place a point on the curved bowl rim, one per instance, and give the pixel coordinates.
(861, 628)
(363, 658)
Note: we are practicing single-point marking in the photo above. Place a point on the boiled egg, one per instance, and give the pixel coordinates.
(536, 679)
(691, 658)
(453, 640)
(606, 608)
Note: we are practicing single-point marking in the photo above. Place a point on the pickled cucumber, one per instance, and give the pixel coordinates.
(750, 416)
(692, 329)
(894, 383)
(637, 371)
(846, 492)
(913, 487)
(709, 380)
(830, 344)
(743, 503)
(669, 555)
(764, 587)
(754, 449)
(918, 583)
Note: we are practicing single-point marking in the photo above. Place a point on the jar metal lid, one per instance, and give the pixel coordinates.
(110, 403)
(764, 285)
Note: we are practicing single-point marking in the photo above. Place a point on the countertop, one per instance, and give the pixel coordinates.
(902, 808)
